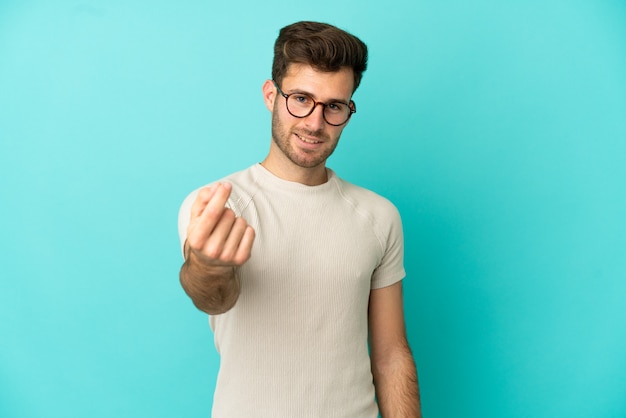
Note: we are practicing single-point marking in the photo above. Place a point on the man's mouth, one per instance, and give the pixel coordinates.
(307, 140)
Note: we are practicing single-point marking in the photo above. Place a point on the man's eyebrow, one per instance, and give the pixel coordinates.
(299, 91)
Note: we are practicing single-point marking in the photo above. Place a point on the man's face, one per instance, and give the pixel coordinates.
(307, 142)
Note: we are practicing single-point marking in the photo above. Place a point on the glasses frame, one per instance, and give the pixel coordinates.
(351, 106)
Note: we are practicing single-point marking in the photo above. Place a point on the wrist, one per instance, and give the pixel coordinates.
(207, 267)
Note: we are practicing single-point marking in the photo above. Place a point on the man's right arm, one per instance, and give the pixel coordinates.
(217, 242)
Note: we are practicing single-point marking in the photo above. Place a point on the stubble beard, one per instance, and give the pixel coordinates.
(283, 138)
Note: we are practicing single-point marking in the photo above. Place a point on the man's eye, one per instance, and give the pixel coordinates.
(336, 107)
(300, 99)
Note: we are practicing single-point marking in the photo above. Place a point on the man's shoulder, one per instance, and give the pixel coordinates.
(246, 175)
(364, 196)
(241, 180)
(367, 202)
(237, 179)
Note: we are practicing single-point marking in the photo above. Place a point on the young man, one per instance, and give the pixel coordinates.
(292, 316)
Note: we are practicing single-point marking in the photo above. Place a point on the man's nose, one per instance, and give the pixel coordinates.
(316, 119)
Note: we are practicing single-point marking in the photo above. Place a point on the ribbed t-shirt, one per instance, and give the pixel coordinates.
(295, 343)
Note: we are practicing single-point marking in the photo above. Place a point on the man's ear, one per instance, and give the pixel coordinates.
(269, 94)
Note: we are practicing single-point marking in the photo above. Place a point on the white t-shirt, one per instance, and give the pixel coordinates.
(295, 343)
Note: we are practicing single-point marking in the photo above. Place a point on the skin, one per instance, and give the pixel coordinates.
(218, 241)
(393, 367)
(301, 146)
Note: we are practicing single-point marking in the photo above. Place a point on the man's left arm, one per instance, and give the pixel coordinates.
(393, 367)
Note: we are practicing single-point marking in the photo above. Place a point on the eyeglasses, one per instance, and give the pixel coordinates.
(301, 105)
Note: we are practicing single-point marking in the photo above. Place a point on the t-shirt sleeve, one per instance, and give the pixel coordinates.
(391, 268)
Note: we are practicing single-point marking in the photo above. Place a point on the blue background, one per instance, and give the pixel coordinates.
(497, 128)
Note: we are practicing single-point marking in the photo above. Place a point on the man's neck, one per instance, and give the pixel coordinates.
(313, 176)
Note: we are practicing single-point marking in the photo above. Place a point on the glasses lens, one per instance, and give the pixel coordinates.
(301, 105)
(336, 113)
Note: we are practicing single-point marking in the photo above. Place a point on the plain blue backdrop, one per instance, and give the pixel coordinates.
(497, 128)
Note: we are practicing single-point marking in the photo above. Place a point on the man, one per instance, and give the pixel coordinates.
(292, 316)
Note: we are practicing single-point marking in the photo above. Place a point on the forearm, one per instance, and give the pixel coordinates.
(213, 289)
(397, 389)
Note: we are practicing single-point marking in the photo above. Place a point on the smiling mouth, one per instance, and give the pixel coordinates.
(306, 140)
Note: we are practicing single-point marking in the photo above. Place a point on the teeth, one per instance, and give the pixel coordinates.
(308, 141)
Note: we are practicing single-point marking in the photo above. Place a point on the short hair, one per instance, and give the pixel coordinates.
(320, 45)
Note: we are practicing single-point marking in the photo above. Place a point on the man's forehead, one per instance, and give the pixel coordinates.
(337, 84)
